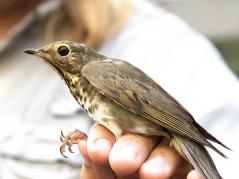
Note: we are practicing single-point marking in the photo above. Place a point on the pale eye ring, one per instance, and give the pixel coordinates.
(63, 50)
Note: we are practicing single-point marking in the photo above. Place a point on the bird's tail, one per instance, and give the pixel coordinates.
(197, 155)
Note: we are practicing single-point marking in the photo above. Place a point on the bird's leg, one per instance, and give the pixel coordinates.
(71, 138)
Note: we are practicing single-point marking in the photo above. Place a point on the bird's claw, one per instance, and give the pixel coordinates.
(70, 139)
(62, 137)
(62, 150)
(70, 150)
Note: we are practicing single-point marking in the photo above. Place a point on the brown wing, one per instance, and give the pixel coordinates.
(137, 92)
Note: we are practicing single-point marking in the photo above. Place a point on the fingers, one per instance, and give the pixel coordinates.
(99, 143)
(131, 155)
(89, 169)
(163, 162)
(97, 172)
(129, 152)
(127, 155)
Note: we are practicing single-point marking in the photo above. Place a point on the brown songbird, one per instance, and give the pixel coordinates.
(124, 99)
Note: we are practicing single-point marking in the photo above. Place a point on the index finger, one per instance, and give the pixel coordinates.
(99, 143)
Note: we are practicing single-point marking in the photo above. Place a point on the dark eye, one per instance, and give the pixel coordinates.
(63, 51)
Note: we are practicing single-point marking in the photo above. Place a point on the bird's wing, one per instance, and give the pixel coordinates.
(134, 90)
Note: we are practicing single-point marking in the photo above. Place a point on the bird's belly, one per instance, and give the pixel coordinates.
(121, 121)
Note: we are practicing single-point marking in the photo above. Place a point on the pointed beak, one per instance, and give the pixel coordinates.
(32, 51)
(37, 52)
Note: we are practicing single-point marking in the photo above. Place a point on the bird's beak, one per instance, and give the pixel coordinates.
(38, 52)
(32, 51)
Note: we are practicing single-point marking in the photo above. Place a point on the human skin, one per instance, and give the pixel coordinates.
(11, 12)
(132, 156)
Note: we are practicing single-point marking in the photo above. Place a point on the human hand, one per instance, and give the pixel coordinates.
(131, 156)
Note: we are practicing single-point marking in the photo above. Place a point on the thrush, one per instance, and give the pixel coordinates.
(125, 100)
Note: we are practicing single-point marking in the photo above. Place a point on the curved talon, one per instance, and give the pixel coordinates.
(61, 138)
(62, 134)
(62, 150)
(70, 150)
(70, 139)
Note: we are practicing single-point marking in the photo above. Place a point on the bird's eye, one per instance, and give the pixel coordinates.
(63, 51)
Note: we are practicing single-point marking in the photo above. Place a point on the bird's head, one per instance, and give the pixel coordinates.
(65, 56)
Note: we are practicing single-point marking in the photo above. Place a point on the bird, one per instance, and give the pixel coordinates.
(125, 100)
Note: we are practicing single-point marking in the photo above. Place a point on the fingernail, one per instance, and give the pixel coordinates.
(159, 163)
(103, 144)
(126, 153)
(124, 160)
(130, 153)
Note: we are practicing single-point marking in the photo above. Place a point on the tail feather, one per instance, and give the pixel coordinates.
(197, 155)
(209, 136)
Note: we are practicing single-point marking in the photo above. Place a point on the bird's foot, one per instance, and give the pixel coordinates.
(71, 138)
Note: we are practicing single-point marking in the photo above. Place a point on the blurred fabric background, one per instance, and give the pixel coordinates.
(218, 20)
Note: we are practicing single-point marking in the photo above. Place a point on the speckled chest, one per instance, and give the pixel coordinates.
(85, 94)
